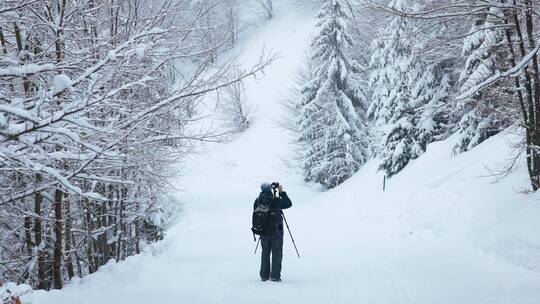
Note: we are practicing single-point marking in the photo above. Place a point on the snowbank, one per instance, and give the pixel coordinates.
(442, 232)
(457, 201)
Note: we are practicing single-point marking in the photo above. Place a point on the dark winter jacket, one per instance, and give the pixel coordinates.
(278, 204)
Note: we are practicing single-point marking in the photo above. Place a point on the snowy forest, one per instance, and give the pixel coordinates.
(94, 112)
(103, 103)
(427, 71)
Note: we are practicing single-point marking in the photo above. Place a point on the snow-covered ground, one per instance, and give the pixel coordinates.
(442, 232)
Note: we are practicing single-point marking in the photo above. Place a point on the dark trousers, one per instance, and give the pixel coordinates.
(271, 246)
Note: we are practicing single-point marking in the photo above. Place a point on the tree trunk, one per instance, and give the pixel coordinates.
(531, 130)
(38, 199)
(67, 234)
(137, 237)
(77, 259)
(20, 46)
(3, 41)
(535, 139)
(57, 257)
(90, 254)
(519, 92)
(121, 227)
(101, 212)
(111, 220)
(28, 235)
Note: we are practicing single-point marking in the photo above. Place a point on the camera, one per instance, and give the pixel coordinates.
(274, 185)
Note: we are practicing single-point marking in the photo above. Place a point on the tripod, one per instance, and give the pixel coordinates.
(286, 224)
(288, 229)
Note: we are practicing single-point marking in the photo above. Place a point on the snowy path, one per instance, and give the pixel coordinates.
(349, 255)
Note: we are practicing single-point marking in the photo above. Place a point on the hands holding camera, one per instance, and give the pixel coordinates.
(278, 186)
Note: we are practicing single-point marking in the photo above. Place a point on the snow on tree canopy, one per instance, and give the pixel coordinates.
(405, 96)
(480, 50)
(61, 83)
(331, 109)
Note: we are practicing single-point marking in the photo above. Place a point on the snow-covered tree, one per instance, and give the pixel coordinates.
(393, 109)
(493, 72)
(267, 7)
(379, 82)
(332, 109)
(233, 107)
(430, 95)
(217, 27)
(406, 97)
(91, 124)
(481, 50)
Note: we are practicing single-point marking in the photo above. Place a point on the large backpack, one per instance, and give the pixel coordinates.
(262, 215)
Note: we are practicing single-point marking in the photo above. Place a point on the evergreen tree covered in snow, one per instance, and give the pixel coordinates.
(392, 108)
(407, 96)
(480, 48)
(379, 79)
(332, 110)
(430, 96)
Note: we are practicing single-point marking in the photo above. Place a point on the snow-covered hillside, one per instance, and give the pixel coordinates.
(442, 232)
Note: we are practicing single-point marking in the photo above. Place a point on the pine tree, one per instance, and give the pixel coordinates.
(407, 96)
(392, 108)
(430, 97)
(379, 80)
(332, 110)
(478, 116)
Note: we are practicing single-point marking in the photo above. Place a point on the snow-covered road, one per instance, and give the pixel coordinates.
(358, 245)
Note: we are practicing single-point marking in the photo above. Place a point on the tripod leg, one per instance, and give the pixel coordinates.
(290, 234)
(257, 246)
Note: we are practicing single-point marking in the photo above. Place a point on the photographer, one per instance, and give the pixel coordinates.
(272, 238)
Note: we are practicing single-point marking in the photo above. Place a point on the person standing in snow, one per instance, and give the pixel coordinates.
(272, 238)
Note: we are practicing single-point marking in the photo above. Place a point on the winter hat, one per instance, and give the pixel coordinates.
(265, 187)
